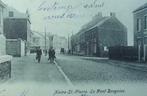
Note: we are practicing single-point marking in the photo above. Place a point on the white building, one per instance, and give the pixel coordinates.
(60, 42)
(2, 37)
(10, 12)
(39, 40)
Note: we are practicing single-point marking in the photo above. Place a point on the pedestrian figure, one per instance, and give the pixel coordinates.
(45, 52)
(38, 54)
(62, 50)
(51, 54)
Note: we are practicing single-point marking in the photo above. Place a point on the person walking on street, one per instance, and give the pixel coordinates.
(38, 54)
(51, 54)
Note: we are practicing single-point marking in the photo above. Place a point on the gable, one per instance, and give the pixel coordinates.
(113, 23)
(140, 8)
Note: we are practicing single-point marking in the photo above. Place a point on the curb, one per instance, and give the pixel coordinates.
(131, 66)
(143, 69)
(64, 75)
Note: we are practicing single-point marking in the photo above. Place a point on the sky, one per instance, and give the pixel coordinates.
(66, 17)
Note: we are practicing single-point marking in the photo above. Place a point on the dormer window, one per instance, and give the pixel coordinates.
(11, 14)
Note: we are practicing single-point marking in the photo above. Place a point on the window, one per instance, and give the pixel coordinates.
(106, 48)
(145, 40)
(145, 22)
(138, 24)
(95, 48)
(11, 14)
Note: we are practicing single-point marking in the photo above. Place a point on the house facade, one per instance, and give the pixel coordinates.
(17, 26)
(95, 38)
(15, 47)
(140, 31)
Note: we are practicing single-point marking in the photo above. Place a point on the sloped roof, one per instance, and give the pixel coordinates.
(141, 7)
(37, 34)
(100, 22)
(94, 23)
(17, 14)
(2, 4)
(97, 22)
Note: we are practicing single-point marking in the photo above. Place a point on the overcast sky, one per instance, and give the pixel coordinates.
(81, 15)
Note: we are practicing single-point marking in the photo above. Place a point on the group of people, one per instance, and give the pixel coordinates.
(51, 54)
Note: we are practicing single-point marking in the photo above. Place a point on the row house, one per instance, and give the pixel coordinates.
(95, 38)
(140, 31)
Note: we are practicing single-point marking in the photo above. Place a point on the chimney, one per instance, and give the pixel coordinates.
(100, 14)
(112, 14)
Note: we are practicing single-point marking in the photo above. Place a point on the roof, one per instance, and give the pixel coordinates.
(100, 22)
(37, 34)
(96, 22)
(17, 14)
(2, 4)
(141, 7)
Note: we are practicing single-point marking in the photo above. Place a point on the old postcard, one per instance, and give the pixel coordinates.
(73, 47)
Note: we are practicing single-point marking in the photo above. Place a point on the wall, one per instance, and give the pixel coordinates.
(139, 15)
(5, 60)
(15, 28)
(140, 37)
(111, 33)
(22, 48)
(2, 38)
(5, 67)
(15, 47)
(2, 45)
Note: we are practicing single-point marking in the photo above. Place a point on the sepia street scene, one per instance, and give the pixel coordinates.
(52, 47)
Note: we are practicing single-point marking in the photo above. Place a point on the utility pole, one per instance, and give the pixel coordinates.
(68, 42)
(71, 43)
(45, 37)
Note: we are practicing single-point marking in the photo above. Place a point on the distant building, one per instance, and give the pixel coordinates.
(38, 40)
(98, 35)
(17, 25)
(2, 37)
(45, 42)
(140, 31)
(60, 42)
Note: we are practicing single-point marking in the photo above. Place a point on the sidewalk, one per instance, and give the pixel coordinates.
(27, 69)
(126, 64)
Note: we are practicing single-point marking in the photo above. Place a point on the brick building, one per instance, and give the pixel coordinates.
(140, 31)
(98, 35)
